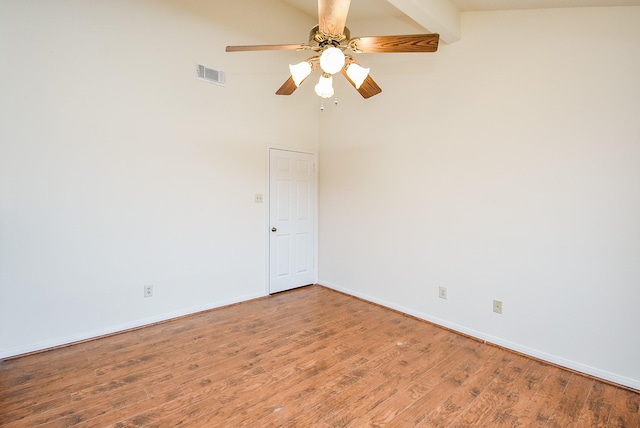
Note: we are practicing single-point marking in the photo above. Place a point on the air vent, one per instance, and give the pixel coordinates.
(211, 75)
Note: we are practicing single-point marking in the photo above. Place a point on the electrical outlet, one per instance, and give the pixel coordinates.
(442, 292)
(148, 290)
(259, 198)
(497, 306)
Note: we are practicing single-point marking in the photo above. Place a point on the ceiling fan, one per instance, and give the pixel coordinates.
(329, 40)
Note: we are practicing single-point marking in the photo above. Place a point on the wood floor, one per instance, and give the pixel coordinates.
(307, 357)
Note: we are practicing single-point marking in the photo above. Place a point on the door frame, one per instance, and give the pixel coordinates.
(267, 228)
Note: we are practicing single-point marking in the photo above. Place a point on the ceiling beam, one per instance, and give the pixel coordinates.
(438, 16)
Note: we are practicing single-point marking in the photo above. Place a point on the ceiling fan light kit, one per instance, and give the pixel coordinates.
(357, 74)
(300, 71)
(324, 88)
(329, 39)
(332, 60)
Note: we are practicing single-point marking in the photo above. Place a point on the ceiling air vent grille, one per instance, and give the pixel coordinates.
(211, 75)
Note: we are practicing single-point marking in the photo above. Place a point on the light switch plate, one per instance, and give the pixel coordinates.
(442, 292)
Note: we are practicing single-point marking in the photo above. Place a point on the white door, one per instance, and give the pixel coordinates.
(292, 210)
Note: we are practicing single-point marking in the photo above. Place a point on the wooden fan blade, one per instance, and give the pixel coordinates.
(332, 15)
(368, 88)
(392, 44)
(287, 87)
(265, 48)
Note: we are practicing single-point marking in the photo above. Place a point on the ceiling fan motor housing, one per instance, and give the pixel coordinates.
(323, 39)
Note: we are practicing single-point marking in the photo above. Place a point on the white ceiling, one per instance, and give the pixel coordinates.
(477, 5)
(358, 8)
(443, 16)
(363, 9)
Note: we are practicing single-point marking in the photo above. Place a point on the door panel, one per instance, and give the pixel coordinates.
(302, 259)
(282, 199)
(282, 256)
(292, 208)
(302, 199)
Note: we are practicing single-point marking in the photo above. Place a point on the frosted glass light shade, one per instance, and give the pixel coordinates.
(324, 88)
(332, 60)
(300, 71)
(357, 74)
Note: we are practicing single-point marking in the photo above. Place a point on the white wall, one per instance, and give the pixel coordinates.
(506, 166)
(119, 169)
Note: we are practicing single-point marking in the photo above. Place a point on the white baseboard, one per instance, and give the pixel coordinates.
(553, 359)
(60, 341)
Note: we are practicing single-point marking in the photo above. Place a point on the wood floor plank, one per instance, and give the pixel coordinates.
(280, 369)
(543, 403)
(378, 355)
(525, 388)
(598, 405)
(391, 398)
(571, 402)
(625, 410)
(481, 367)
(442, 405)
(380, 376)
(307, 357)
(111, 388)
(85, 378)
(488, 408)
(324, 364)
(527, 378)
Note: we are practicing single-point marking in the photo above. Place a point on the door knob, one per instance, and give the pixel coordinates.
(274, 229)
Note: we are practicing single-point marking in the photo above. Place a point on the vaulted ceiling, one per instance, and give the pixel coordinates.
(477, 5)
(443, 16)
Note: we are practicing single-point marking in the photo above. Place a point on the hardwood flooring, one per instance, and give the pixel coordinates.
(307, 357)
